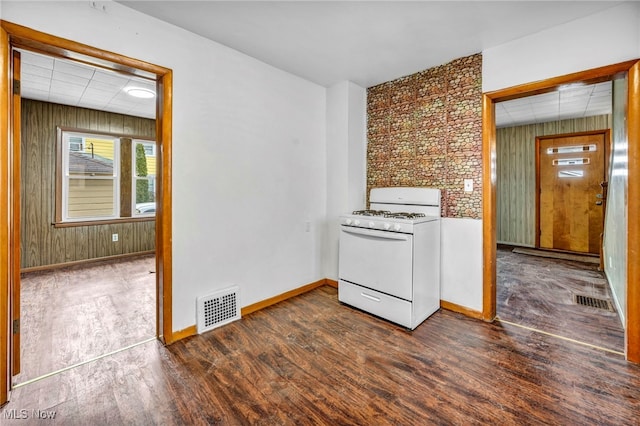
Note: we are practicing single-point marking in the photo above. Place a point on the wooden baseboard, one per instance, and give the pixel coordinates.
(192, 330)
(461, 309)
(184, 333)
(86, 261)
(281, 297)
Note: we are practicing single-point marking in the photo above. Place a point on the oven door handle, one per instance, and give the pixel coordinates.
(377, 234)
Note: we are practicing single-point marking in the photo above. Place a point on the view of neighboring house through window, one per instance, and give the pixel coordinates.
(96, 177)
(90, 180)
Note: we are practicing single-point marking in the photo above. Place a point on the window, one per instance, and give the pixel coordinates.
(144, 181)
(97, 179)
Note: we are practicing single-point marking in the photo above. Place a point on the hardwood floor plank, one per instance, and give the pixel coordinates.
(77, 313)
(312, 360)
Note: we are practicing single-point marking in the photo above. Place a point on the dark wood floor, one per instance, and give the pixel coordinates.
(538, 292)
(311, 360)
(77, 313)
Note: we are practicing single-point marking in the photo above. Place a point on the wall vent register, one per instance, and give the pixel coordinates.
(218, 309)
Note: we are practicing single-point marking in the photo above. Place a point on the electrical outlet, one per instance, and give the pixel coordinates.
(468, 185)
(114, 237)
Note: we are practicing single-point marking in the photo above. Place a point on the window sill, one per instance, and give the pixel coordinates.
(103, 222)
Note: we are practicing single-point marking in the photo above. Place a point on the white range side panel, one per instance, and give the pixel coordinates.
(461, 260)
(426, 271)
(249, 153)
(604, 38)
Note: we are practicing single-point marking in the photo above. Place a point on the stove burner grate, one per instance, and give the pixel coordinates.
(371, 212)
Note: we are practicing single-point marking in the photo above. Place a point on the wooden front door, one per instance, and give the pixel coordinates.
(571, 169)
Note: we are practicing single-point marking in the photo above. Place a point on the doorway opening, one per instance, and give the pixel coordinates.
(632, 131)
(552, 154)
(18, 37)
(83, 294)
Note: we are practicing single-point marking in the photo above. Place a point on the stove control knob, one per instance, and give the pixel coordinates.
(348, 221)
(397, 227)
(372, 224)
(387, 226)
(356, 222)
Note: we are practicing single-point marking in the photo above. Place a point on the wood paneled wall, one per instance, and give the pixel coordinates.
(516, 171)
(41, 243)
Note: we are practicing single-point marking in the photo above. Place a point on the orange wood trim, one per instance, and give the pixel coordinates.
(633, 214)
(633, 229)
(164, 259)
(472, 313)
(86, 261)
(331, 283)
(281, 297)
(568, 135)
(28, 38)
(5, 190)
(101, 222)
(489, 243)
(192, 330)
(537, 198)
(15, 214)
(591, 76)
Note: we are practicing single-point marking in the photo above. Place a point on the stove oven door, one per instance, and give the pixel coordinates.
(379, 260)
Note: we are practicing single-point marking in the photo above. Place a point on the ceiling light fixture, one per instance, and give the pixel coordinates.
(139, 92)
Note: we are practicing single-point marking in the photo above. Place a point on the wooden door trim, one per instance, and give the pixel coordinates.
(632, 338)
(13, 35)
(606, 134)
(632, 341)
(5, 191)
(15, 153)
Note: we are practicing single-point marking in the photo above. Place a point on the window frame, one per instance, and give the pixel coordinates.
(61, 181)
(135, 178)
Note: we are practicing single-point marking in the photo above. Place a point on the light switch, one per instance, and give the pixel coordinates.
(468, 185)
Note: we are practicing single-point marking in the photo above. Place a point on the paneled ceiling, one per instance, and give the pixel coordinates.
(66, 82)
(574, 101)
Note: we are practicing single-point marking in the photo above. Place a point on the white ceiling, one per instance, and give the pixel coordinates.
(367, 42)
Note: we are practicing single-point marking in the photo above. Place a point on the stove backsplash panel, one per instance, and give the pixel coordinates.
(425, 130)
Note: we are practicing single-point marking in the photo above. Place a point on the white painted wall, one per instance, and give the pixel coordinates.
(249, 154)
(461, 262)
(346, 163)
(604, 38)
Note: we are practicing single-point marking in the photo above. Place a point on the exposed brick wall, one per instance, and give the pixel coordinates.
(425, 130)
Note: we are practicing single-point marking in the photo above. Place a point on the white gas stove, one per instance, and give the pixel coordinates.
(390, 255)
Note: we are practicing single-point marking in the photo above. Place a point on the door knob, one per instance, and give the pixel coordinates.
(598, 203)
(598, 195)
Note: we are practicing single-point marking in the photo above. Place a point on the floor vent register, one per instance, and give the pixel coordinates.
(592, 302)
(218, 309)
